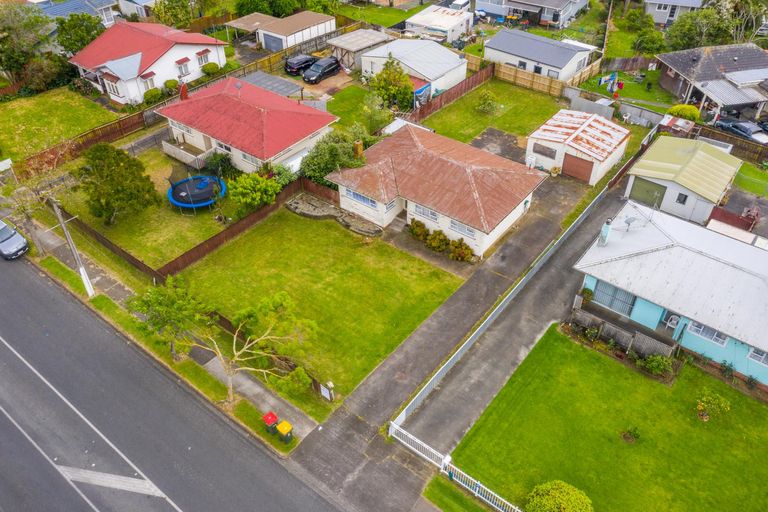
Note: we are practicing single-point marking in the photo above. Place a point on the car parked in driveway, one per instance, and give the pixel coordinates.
(12, 244)
(745, 129)
(322, 69)
(297, 64)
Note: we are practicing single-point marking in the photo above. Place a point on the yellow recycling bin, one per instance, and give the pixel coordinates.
(285, 430)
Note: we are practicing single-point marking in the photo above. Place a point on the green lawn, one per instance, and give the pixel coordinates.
(520, 112)
(347, 104)
(30, 125)
(633, 89)
(365, 296)
(449, 497)
(752, 179)
(371, 13)
(587, 28)
(159, 233)
(560, 417)
(621, 40)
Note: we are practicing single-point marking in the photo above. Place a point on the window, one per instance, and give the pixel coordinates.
(425, 212)
(759, 356)
(522, 64)
(553, 74)
(582, 63)
(179, 126)
(463, 229)
(541, 149)
(106, 16)
(112, 88)
(360, 198)
(681, 198)
(250, 159)
(223, 147)
(614, 298)
(708, 333)
(202, 59)
(537, 70)
(183, 69)
(149, 83)
(662, 7)
(391, 204)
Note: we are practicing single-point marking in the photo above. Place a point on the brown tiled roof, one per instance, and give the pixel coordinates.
(464, 183)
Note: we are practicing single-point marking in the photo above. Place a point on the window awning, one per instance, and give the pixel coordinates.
(147, 76)
(203, 52)
(182, 61)
(523, 7)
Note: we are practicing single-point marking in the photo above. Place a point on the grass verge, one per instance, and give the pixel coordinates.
(752, 179)
(449, 497)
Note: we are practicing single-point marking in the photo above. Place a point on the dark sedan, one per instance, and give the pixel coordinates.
(322, 69)
(745, 129)
(297, 64)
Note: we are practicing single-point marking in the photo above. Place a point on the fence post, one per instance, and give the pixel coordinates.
(444, 466)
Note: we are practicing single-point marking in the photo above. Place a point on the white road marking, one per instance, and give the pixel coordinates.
(84, 419)
(124, 483)
(40, 450)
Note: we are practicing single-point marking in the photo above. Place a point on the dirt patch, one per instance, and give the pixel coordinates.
(500, 143)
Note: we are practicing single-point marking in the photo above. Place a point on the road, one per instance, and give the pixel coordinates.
(88, 422)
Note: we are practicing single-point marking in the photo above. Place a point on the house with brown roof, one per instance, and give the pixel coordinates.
(464, 191)
(584, 146)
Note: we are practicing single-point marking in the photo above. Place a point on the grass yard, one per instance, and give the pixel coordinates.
(633, 89)
(588, 28)
(32, 124)
(366, 296)
(449, 497)
(752, 179)
(159, 233)
(560, 417)
(384, 16)
(621, 40)
(347, 104)
(520, 112)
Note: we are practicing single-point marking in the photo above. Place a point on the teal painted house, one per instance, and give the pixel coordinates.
(705, 290)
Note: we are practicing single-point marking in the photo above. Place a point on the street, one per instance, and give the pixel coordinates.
(88, 422)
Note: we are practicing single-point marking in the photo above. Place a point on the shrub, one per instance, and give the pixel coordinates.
(558, 496)
(591, 333)
(656, 364)
(152, 96)
(689, 112)
(83, 87)
(751, 382)
(284, 175)
(726, 369)
(710, 403)
(171, 86)
(219, 164)
(650, 41)
(460, 251)
(251, 191)
(419, 230)
(487, 103)
(229, 51)
(437, 241)
(587, 295)
(637, 21)
(210, 69)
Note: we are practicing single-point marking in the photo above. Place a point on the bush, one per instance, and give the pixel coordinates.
(650, 41)
(419, 230)
(689, 112)
(460, 251)
(710, 403)
(637, 21)
(83, 87)
(437, 241)
(751, 382)
(251, 191)
(152, 96)
(46, 72)
(229, 51)
(558, 496)
(726, 369)
(219, 164)
(210, 69)
(656, 364)
(171, 86)
(487, 103)
(591, 333)
(587, 295)
(284, 175)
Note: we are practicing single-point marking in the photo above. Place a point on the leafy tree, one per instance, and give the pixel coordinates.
(558, 496)
(333, 152)
(76, 31)
(393, 85)
(702, 27)
(114, 183)
(220, 164)
(650, 41)
(283, 8)
(252, 190)
(487, 103)
(637, 20)
(689, 112)
(46, 71)
(22, 28)
(175, 13)
(169, 309)
(284, 175)
(245, 7)
(324, 6)
(375, 114)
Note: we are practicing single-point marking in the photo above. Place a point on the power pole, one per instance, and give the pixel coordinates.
(75, 254)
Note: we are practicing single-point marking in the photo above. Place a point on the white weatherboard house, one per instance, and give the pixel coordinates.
(442, 23)
(424, 60)
(684, 177)
(585, 146)
(128, 59)
(667, 11)
(537, 54)
(464, 191)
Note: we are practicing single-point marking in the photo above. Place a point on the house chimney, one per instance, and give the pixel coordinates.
(604, 232)
(183, 92)
(359, 149)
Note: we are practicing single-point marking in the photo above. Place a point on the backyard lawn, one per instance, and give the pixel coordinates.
(377, 15)
(365, 296)
(347, 104)
(520, 112)
(634, 90)
(159, 233)
(621, 40)
(30, 125)
(560, 417)
(752, 179)
(588, 28)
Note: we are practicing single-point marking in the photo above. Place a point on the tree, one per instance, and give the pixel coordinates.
(393, 85)
(650, 41)
(169, 309)
(76, 31)
(220, 164)
(176, 13)
(333, 152)
(252, 190)
(558, 496)
(702, 27)
(487, 103)
(376, 116)
(283, 8)
(266, 341)
(46, 71)
(245, 7)
(23, 28)
(114, 183)
(637, 20)
(324, 6)
(689, 112)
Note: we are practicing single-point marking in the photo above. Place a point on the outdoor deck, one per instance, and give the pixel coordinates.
(660, 333)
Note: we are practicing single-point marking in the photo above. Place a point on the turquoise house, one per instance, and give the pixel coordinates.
(704, 290)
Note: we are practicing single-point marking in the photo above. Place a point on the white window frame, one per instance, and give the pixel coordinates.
(391, 204)
(700, 330)
(183, 68)
(662, 7)
(250, 159)
(202, 59)
(224, 147)
(360, 198)
(112, 88)
(463, 229)
(423, 211)
(181, 127)
(148, 83)
(551, 73)
(107, 15)
(761, 359)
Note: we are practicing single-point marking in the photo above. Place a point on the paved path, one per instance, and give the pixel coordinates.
(470, 386)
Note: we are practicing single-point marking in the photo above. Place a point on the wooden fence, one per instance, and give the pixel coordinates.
(742, 148)
(451, 95)
(628, 63)
(474, 63)
(530, 80)
(200, 25)
(585, 74)
(323, 192)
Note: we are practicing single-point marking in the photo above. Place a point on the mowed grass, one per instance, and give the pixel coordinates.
(377, 15)
(561, 414)
(450, 497)
(365, 296)
(30, 125)
(633, 89)
(159, 233)
(752, 179)
(587, 28)
(347, 105)
(520, 112)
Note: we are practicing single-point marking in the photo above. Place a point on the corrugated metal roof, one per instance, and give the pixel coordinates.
(694, 164)
(64, 9)
(442, 18)
(588, 133)
(688, 269)
(251, 22)
(536, 48)
(749, 76)
(727, 94)
(296, 23)
(359, 40)
(273, 83)
(427, 58)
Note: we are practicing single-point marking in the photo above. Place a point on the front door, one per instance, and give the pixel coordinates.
(672, 14)
(207, 142)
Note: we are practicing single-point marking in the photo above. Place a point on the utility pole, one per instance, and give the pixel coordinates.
(75, 254)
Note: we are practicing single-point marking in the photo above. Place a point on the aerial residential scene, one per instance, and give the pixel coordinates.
(383, 255)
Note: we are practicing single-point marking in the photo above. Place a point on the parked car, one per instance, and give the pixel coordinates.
(746, 129)
(298, 63)
(322, 69)
(12, 244)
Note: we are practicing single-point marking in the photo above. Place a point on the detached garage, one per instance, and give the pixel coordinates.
(349, 48)
(585, 146)
(294, 29)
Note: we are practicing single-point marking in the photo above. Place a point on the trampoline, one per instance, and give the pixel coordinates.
(196, 192)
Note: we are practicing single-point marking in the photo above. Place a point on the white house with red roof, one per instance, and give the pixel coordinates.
(128, 59)
(251, 124)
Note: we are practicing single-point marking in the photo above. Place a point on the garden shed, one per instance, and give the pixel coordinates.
(350, 47)
(295, 29)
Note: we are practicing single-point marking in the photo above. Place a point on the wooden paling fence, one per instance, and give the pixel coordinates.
(742, 148)
(451, 95)
(530, 80)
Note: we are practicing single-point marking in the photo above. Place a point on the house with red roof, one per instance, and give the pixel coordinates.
(250, 124)
(462, 190)
(128, 59)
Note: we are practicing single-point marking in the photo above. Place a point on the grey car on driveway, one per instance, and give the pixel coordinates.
(12, 244)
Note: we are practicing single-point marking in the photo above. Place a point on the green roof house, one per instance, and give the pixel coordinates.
(683, 177)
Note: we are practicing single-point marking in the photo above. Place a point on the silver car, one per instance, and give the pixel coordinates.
(12, 244)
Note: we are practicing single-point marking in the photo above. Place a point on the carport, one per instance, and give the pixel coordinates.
(349, 48)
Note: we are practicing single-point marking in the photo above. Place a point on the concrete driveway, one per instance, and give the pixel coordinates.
(500, 143)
